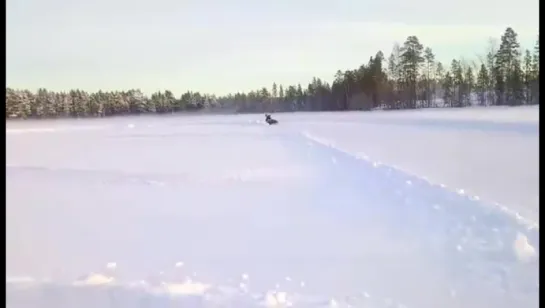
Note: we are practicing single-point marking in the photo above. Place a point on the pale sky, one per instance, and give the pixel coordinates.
(226, 46)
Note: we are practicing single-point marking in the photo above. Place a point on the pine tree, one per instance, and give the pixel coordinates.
(481, 86)
(430, 59)
(507, 66)
(410, 60)
(528, 76)
(469, 83)
(448, 91)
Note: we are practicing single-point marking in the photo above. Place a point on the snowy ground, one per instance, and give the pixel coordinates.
(383, 209)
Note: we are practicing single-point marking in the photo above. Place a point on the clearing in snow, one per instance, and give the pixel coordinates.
(384, 209)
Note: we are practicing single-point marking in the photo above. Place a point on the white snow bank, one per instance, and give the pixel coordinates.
(524, 114)
(496, 165)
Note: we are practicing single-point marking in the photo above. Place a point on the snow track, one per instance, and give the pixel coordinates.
(487, 253)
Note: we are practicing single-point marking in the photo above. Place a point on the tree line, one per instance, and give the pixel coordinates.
(408, 78)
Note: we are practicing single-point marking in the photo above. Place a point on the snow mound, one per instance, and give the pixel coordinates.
(97, 288)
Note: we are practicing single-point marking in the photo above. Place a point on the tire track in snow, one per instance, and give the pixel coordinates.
(530, 224)
(485, 252)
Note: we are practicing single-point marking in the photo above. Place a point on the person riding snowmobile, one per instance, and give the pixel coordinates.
(270, 120)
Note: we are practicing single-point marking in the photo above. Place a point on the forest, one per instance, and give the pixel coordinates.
(408, 78)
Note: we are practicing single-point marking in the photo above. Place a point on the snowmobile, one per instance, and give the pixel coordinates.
(270, 120)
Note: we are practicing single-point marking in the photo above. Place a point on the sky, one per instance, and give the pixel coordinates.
(226, 46)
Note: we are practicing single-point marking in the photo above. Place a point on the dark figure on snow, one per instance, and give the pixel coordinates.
(270, 120)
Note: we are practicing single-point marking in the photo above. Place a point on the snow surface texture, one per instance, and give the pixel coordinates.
(383, 209)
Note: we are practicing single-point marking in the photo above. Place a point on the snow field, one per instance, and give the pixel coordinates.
(320, 211)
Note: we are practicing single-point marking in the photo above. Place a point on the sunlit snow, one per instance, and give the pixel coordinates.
(426, 209)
